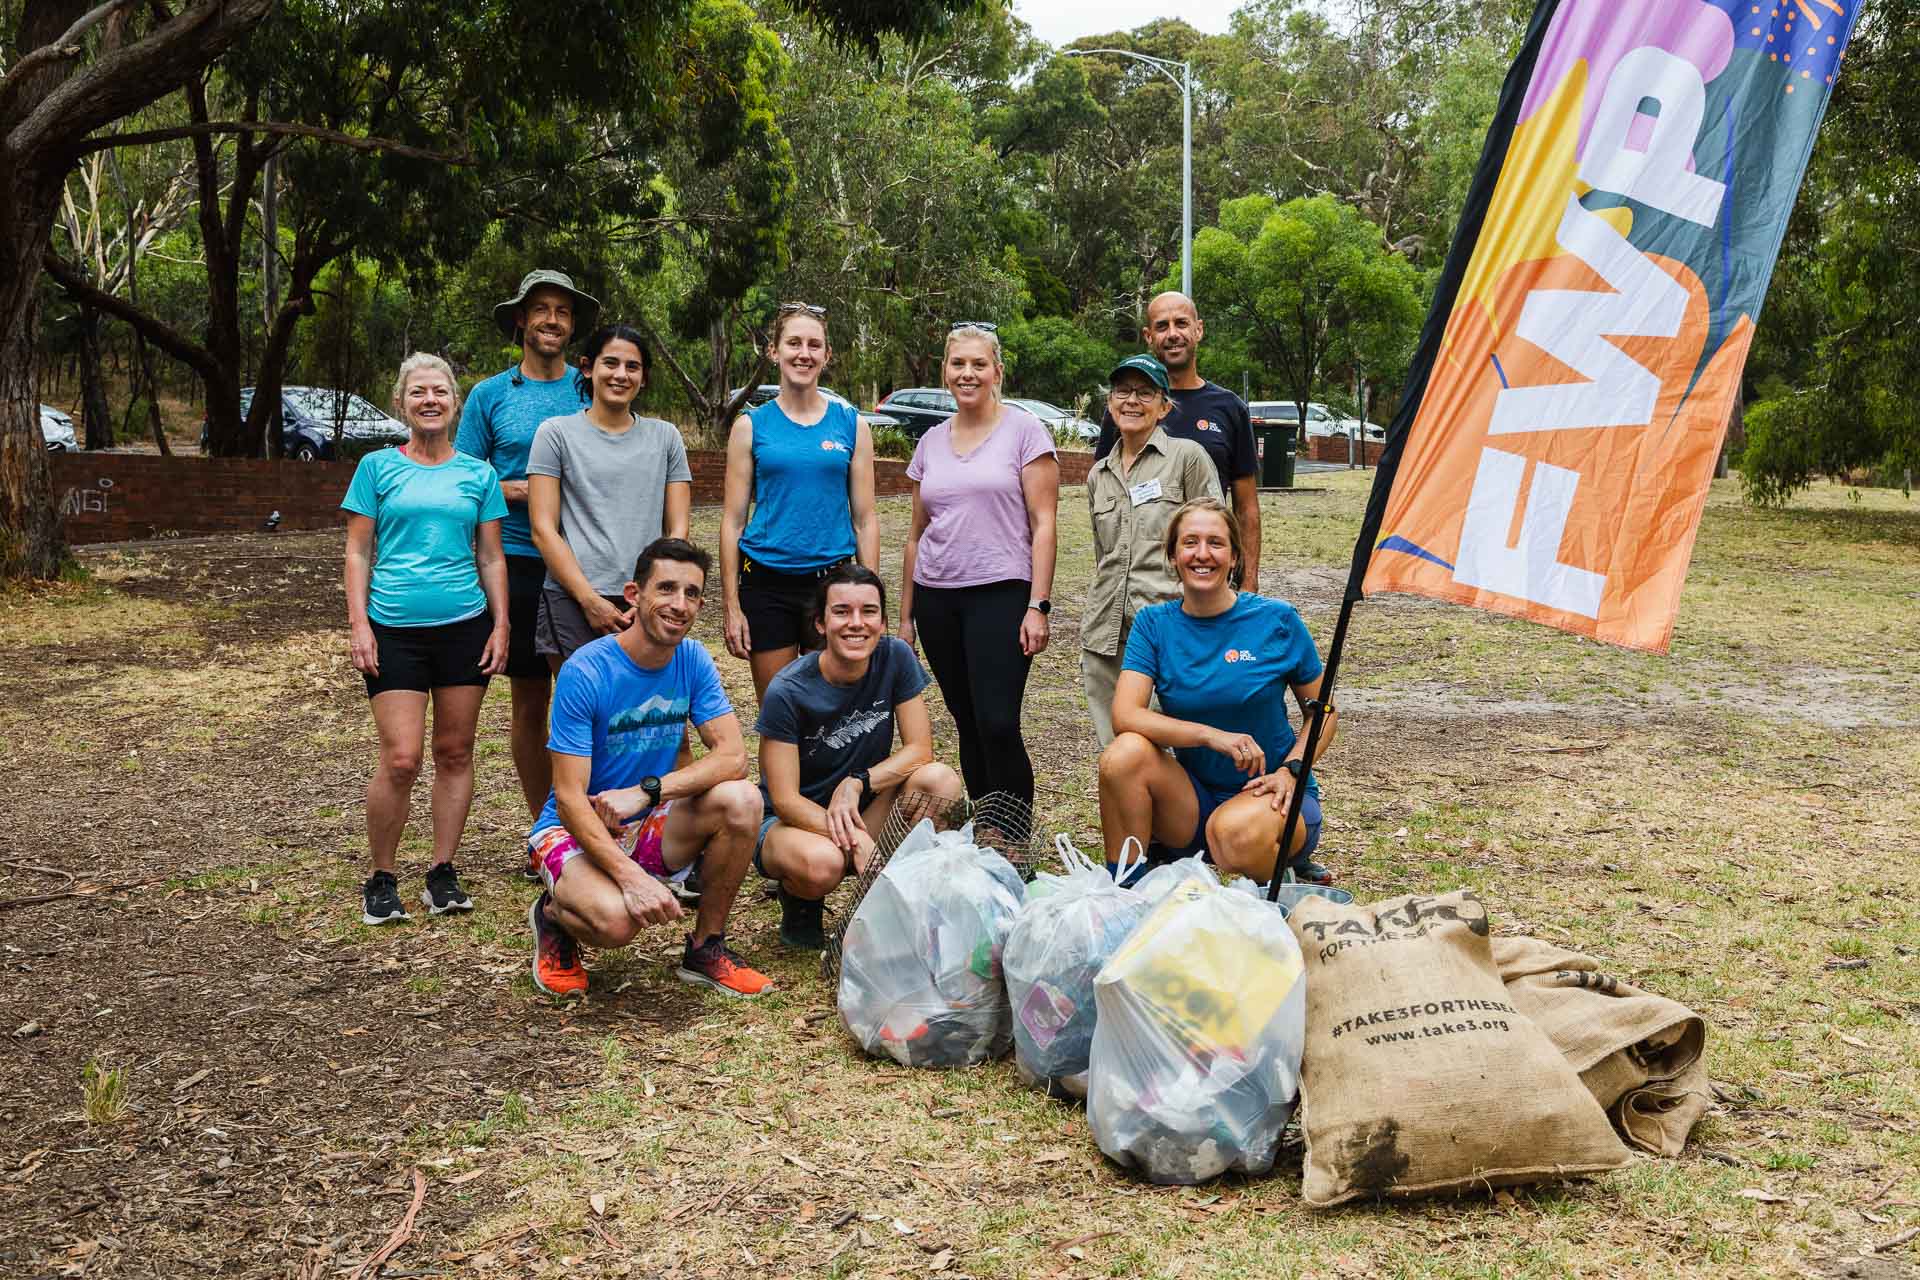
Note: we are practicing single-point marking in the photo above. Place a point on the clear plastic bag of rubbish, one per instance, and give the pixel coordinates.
(1168, 876)
(1071, 924)
(1201, 1021)
(920, 975)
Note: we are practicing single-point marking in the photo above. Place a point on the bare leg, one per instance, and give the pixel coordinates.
(1145, 794)
(400, 715)
(1243, 836)
(766, 665)
(718, 828)
(456, 710)
(531, 695)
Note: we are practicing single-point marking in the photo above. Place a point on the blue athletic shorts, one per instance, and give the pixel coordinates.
(1210, 800)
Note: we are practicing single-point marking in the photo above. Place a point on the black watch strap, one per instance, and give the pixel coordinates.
(1294, 767)
(651, 785)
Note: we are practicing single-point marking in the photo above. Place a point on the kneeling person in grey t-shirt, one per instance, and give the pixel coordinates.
(828, 766)
(601, 485)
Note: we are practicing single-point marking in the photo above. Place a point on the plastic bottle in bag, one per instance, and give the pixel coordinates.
(1071, 924)
(1195, 1064)
(920, 964)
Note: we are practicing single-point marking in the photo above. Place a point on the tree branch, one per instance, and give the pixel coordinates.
(283, 128)
(158, 333)
(122, 81)
(66, 48)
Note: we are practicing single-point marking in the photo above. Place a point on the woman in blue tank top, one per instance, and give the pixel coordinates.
(803, 462)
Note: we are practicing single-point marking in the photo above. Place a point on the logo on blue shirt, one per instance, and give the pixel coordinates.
(644, 727)
(1240, 655)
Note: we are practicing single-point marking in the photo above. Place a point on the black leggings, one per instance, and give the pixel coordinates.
(971, 636)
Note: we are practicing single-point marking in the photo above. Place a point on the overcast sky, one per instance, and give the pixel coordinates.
(1058, 21)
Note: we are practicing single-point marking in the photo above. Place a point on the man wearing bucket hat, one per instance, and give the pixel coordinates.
(502, 415)
(1133, 491)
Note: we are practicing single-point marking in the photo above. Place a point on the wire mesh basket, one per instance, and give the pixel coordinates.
(1001, 822)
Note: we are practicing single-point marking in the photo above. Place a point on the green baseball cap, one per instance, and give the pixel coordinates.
(585, 305)
(1144, 364)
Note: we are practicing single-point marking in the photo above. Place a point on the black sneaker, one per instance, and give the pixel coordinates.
(380, 899)
(800, 922)
(443, 892)
(1307, 871)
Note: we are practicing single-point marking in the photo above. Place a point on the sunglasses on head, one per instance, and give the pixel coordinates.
(987, 326)
(792, 308)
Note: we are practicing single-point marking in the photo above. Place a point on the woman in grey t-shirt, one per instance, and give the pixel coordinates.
(601, 485)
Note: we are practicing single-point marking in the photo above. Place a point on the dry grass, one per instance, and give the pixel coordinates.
(1722, 825)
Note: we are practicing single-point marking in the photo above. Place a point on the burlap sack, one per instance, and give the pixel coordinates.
(1419, 1074)
(1638, 1053)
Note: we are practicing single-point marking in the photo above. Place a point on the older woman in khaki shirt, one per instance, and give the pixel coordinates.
(1133, 492)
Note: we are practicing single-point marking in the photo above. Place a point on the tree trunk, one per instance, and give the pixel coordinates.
(93, 392)
(30, 539)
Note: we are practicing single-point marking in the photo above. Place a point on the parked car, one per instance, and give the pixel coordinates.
(1058, 419)
(308, 416)
(919, 409)
(1321, 421)
(768, 390)
(56, 428)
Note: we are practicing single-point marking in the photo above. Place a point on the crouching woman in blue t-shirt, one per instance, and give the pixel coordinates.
(1221, 661)
(427, 616)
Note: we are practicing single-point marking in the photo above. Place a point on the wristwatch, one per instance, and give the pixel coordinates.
(866, 786)
(651, 785)
(1294, 767)
(1044, 605)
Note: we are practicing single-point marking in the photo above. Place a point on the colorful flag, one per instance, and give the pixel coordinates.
(1574, 380)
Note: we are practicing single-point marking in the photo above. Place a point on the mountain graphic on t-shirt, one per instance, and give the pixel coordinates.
(656, 710)
(853, 726)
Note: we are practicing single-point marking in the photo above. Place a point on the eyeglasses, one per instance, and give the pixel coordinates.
(1139, 395)
(987, 326)
(794, 308)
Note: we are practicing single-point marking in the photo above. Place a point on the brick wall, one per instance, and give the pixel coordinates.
(1334, 449)
(120, 497)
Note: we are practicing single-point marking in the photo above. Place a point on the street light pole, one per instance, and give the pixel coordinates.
(1184, 83)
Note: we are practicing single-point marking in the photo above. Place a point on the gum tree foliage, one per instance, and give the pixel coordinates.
(1308, 286)
(405, 128)
(1838, 342)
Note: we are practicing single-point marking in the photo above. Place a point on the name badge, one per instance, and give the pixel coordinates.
(1145, 491)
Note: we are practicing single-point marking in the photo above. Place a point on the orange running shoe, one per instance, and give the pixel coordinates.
(715, 965)
(556, 956)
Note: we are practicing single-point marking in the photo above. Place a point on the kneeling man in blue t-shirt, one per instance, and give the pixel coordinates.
(622, 818)
(828, 765)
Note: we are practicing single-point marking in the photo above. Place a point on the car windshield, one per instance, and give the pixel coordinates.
(321, 403)
(1271, 409)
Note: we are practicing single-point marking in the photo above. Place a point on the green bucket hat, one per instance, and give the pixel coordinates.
(585, 306)
(1147, 365)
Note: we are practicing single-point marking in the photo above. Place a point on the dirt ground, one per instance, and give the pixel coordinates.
(180, 845)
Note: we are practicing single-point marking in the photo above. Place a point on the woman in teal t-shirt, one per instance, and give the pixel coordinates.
(427, 614)
(804, 461)
(1221, 662)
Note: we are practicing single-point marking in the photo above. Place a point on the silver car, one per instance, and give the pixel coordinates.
(56, 428)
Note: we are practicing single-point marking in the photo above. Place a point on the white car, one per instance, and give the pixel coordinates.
(1056, 418)
(56, 428)
(1321, 421)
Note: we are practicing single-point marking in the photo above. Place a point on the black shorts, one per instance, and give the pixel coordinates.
(779, 606)
(563, 627)
(423, 659)
(525, 576)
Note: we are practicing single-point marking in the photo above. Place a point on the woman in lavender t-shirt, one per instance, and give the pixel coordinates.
(979, 561)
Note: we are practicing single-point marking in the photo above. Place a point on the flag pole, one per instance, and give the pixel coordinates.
(1316, 709)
